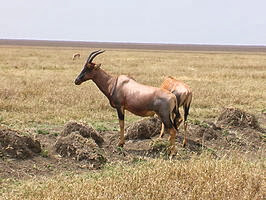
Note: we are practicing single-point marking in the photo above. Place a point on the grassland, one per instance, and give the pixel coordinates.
(37, 92)
(37, 83)
(198, 178)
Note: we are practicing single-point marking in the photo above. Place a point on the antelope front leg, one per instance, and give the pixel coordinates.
(121, 116)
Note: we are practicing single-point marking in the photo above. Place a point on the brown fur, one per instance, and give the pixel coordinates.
(183, 96)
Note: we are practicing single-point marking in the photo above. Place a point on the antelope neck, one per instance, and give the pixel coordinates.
(104, 82)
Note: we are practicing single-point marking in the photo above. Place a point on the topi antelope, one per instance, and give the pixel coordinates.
(124, 93)
(75, 56)
(183, 96)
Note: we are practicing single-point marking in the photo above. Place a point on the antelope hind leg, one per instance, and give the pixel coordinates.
(172, 141)
(185, 136)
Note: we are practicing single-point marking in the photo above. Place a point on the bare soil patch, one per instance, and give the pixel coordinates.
(80, 147)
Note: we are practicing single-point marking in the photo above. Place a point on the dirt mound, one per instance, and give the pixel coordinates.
(207, 131)
(14, 145)
(225, 139)
(80, 148)
(233, 117)
(144, 129)
(84, 130)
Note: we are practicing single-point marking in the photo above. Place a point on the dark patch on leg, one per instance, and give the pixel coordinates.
(178, 120)
(121, 115)
(186, 112)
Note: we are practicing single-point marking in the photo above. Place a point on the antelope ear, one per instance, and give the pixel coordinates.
(97, 66)
(89, 65)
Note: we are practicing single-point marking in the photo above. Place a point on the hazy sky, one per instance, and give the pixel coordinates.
(152, 21)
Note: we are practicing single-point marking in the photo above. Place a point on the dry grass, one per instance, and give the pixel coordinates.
(37, 83)
(198, 178)
(37, 89)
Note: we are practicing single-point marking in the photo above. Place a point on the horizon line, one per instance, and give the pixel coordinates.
(133, 45)
(130, 42)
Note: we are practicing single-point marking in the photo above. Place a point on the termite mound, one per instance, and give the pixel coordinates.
(144, 129)
(83, 130)
(233, 117)
(82, 143)
(15, 145)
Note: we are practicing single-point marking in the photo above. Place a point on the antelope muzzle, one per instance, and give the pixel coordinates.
(77, 81)
(81, 77)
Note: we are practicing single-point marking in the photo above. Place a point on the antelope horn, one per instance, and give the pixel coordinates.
(94, 54)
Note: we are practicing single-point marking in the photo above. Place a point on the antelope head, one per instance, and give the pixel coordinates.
(89, 68)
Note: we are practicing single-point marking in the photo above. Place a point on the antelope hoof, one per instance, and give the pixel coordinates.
(184, 144)
(173, 151)
(121, 144)
(169, 138)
